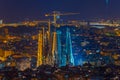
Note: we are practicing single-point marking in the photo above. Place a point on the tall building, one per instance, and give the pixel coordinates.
(56, 49)
(40, 49)
(69, 54)
(59, 49)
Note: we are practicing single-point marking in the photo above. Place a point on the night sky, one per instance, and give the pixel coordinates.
(20, 10)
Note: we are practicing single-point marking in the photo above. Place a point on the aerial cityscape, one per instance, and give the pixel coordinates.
(59, 40)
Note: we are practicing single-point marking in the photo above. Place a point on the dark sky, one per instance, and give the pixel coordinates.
(19, 10)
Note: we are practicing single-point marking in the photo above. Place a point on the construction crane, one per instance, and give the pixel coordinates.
(56, 15)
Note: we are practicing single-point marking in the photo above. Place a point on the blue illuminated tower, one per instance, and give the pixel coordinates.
(59, 48)
(69, 54)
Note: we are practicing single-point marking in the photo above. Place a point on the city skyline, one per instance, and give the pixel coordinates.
(59, 40)
(20, 10)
